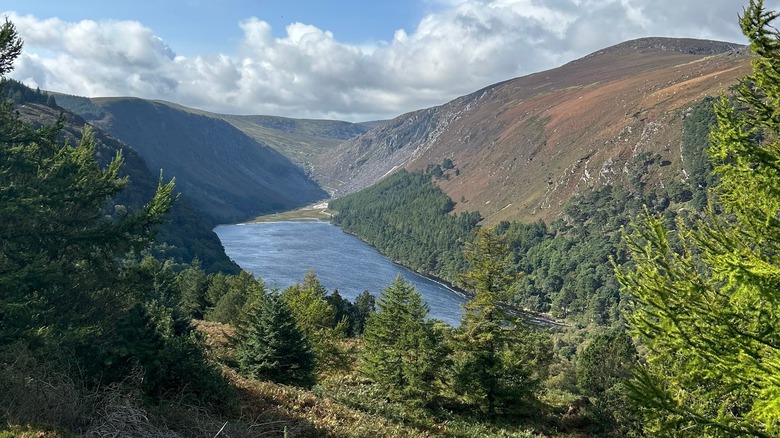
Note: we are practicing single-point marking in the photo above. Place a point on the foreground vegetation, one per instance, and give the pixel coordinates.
(677, 336)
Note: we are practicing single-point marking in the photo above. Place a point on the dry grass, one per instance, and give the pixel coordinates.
(40, 400)
(310, 414)
(302, 412)
(217, 340)
(121, 415)
(43, 392)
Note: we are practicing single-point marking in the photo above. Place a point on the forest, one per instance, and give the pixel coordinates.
(669, 299)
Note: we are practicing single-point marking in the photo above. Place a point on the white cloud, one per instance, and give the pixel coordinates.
(466, 45)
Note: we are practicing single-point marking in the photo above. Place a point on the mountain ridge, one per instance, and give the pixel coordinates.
(523, 146)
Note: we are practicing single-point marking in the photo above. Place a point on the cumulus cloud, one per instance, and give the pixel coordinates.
(465, 45)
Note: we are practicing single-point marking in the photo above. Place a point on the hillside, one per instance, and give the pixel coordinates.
(523, 147)
(228, 175)
(300, 140)
(185, 236)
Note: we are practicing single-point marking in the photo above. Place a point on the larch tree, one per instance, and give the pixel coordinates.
(707, 299)
(316, 317)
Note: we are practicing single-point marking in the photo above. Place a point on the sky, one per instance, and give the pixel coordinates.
(354, 60)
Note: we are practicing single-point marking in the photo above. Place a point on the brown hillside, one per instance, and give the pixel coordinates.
(525, 146)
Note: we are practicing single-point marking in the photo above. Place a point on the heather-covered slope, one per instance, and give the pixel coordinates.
(523, 147)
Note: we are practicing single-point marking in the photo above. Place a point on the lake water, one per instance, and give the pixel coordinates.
(281, 253)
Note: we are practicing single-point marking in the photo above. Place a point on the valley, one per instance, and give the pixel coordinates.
(171, 270)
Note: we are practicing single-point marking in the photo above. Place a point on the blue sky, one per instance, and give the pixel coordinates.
(341, 59)
(198, 26)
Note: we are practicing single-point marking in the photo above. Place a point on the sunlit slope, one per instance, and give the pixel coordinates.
(524, 146)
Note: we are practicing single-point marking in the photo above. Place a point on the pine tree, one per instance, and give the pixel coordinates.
(69, 274)
(606, 360)
(316, 317)
(499, 360)
(708, 307)
(231, 295)
(604, 366)
(60, 246)
(269, 345)
(365, 306)
(404, 353)
(193, 285)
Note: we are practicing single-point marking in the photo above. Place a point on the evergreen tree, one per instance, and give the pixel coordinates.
(606, 360)
(404, 353)
(316, 317)
(70, 286)
(158, 281)
(269, 345)
(231, 296)
(348, 314)
(193, 284)
(499, 360)
(365, 306)
(10, 46)
(308, 304)
(708, 308)
(603, 368)
(59, 258)
(218, 287)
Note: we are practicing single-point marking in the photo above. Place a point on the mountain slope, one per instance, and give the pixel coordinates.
(524, 146)
(300, 140)
(229, 176)
(185, 236)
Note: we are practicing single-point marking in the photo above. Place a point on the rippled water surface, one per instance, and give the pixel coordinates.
(282, 252)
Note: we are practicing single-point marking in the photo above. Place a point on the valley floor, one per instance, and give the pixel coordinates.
(313, 212)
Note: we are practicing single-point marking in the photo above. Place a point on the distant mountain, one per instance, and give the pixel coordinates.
(227, 175)
(300, 140)
(521, 148)
(185, 236)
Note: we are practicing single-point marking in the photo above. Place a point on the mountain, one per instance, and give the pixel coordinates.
(228, 175)
(521, 148)
(185, 236)
(300, 140)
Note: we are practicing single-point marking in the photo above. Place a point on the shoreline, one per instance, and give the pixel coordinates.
(319, 213)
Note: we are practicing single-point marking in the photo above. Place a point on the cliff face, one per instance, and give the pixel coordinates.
(525, 146)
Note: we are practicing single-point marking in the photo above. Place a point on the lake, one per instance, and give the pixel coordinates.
(281, 252)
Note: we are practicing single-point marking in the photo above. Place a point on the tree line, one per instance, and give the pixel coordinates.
(409, 219)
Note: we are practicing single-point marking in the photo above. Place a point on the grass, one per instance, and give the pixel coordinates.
(316, 212)
(29, 431)
(346, 404)
(343, 404)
